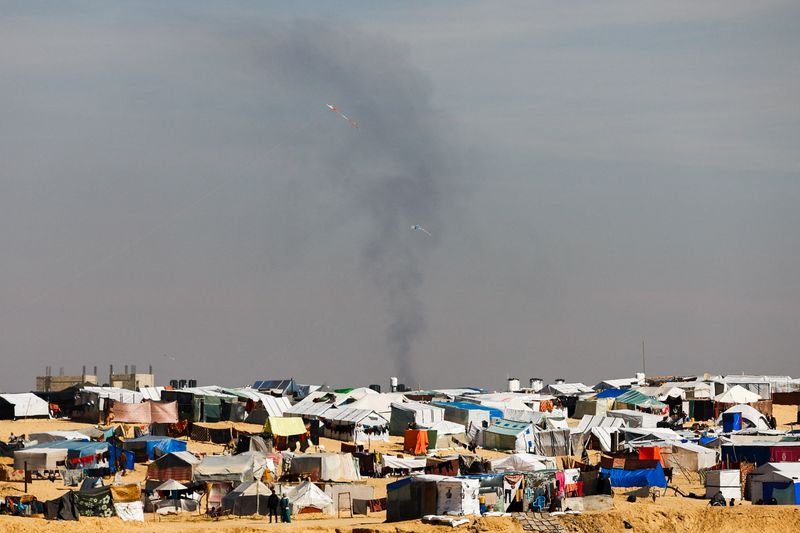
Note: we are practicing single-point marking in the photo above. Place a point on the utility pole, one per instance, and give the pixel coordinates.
(644, 367)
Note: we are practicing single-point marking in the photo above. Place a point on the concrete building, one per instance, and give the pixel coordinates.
(50, 383)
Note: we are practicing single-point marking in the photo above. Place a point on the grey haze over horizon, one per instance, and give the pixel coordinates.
(593, 174)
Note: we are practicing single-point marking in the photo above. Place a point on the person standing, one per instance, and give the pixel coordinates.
(286, 510)
(272, 505)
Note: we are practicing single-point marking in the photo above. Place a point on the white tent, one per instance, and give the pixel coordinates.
(325, 466)
(405, 413)
(772, 472)
(39, 458)
(458, 496)
(750, 415)
(522, 462)
(307, 495)
(27, 404)
(246, 466)
(355, 425)
(636, 419)
(737, 394)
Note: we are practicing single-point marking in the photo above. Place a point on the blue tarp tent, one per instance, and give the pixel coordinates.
(610, 393)
(144, 447)
(785, 493)
(641, 477)
(126, 458)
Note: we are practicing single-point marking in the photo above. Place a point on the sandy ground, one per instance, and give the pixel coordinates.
(667, 514)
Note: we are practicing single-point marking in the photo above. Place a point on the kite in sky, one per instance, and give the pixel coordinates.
(335, 109)
(417, 227)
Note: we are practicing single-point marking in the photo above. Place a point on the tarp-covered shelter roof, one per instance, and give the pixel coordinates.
(285, 426)
(634, 397)
(27, 404)
(610, 393)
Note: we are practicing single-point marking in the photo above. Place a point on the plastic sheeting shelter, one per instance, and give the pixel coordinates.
(692, 457)
(636, 419)
(325, 466)
(413, 413)
(411, 498)
(505, 434)
(150, 447)
(458, 496)
(246, 466)
(521, 462)
(248, 498)
(627, 473)
(307, 497)
(23, 405)
(44, 456)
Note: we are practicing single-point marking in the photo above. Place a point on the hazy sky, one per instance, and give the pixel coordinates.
(593, 174)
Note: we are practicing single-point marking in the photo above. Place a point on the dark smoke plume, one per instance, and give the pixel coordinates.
(393, 170)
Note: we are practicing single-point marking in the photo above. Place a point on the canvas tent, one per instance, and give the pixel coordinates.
(778, 480)
(465, 413)
(636, 419)
(237, 469)
(692, 457)
(458, 496)
(737, 395)
(505, 434)
(445, 434)
(324, 466)
(247, 499)
(23, 405)
(174, 465)
(411, 498)
(406, 414)
(355, 425)
(522, 462)
(307, 497)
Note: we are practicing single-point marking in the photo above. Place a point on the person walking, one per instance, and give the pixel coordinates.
(286, 510)
(272, 505)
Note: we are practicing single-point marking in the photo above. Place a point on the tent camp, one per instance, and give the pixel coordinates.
(418, 414)
(503, 434)
(23, 405)
(237, 469)
(737, 395)
(308, 498)
(247, 499)
(174, 465)
(633, 399)
(325, 466)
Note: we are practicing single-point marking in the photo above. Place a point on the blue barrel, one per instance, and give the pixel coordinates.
(731, 422)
